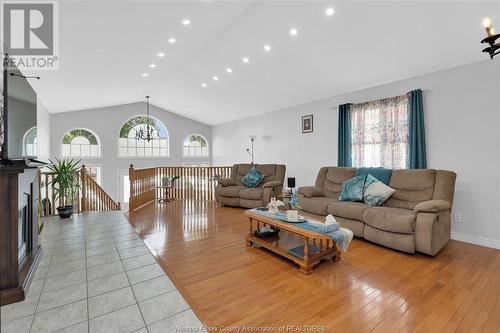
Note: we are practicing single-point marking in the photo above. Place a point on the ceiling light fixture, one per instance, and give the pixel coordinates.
(186, 21)
(294, 32)
(494, 48)
(215, 78)
(329, 11)
(204, 85)
(152, 65)
(245, 60)
(161, 54)
(229, 70)
(144, 74)
(267, 47)
(172, 40)
(149, 133)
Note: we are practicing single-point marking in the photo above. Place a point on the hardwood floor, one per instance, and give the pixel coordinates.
(372, 289)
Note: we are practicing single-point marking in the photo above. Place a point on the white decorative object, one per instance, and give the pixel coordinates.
(330, 219)
(292, 215)
(273, 205)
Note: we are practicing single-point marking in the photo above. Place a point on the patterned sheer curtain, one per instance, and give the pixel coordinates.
(380, 133)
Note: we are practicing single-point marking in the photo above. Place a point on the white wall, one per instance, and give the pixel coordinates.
(43, 131)
(106, 123)
(462, 116)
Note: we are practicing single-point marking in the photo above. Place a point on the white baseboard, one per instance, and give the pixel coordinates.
(483, 241)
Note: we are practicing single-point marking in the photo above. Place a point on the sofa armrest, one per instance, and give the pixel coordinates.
(227, 182)
(272, 183)
(311, 191)
(432, 206)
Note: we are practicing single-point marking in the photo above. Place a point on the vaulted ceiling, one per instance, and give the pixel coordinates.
(107, 46)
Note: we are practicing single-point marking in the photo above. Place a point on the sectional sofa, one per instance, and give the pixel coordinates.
(415, 218)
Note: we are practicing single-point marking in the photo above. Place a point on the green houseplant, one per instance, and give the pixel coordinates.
(65, 184)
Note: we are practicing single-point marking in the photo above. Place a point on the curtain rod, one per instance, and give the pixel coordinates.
(336, 107)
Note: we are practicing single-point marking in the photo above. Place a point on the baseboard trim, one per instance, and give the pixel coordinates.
(483, 241)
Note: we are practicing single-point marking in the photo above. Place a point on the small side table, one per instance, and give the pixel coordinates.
(165, 190)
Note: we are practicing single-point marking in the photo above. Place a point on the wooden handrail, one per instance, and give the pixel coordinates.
(91, 196)
(194, 183)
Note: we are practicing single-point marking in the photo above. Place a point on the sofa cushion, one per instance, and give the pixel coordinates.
(252, 178)
(352, 189)
(347, 209)
(334, 178)
(375, 192)
(315, 205)
(251, 193)
(412, 187)
(390, 219)
(231, 191)
(381, 174)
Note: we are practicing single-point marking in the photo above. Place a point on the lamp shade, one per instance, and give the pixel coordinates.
(291, 182)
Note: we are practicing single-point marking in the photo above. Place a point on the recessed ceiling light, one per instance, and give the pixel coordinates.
(204, 85)
(215, 78)
(145, 74)
(161, 54)
(229, 70)
(186, 21)
(267, 47)
(245, 60)
(152, 65)
(330, 11)
(294, 32)
(172, 40)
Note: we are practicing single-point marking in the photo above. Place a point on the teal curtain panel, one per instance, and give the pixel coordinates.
(344, 140)
(417, 150)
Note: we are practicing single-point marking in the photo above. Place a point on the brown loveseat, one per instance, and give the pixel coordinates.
(232, 192)
(415, 218)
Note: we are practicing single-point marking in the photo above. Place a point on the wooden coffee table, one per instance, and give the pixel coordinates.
(316, 246)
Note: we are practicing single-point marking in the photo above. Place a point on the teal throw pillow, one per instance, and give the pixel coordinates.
(382, 174)
(352, 189)
(375, 192)
(252, 178)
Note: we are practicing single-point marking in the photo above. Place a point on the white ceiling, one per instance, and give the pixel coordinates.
(105, 46)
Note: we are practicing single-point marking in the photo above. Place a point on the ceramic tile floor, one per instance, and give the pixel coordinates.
(96, 275)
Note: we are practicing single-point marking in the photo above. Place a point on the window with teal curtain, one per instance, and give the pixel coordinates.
(380, 133)
(387, 133)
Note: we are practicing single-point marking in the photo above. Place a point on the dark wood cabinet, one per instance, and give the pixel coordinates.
(19, 248)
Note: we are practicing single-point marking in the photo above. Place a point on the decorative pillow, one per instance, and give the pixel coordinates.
(382, 174)
(352, 189)
(252, 178)
(375, 192)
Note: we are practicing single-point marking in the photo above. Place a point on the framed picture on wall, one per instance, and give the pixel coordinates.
(307, 124)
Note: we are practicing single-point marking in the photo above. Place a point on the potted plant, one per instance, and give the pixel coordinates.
(169, 181)
(65, 184)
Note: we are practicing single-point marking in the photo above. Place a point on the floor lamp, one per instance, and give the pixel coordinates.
(252, 139)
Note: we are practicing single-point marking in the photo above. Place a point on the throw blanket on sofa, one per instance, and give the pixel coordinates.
(341, 236)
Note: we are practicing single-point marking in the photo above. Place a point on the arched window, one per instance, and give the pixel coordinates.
(195, 145)
(30, 142)
(80, 142)
(131, 146)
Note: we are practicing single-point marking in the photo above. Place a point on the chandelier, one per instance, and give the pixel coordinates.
(494, 48)
(149, 133)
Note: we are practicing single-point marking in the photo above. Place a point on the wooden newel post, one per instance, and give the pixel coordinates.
(132, 193)
(83, 200)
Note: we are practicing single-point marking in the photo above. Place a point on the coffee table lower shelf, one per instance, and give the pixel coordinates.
(316, 246)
